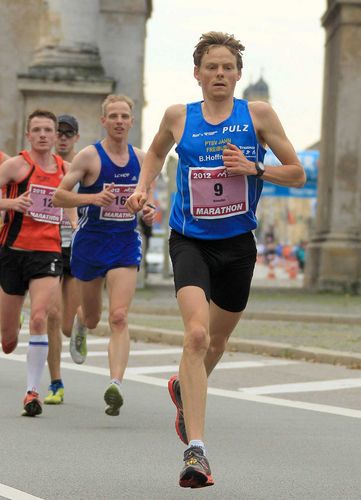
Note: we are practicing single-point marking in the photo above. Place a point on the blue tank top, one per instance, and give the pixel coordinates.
(114, 218)
(208, 204)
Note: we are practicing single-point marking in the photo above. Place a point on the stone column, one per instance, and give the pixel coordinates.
(122, 35)
(66, 74)
(68, 45)
(334, 253)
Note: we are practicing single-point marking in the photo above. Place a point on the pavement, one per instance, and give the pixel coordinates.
(282, 319)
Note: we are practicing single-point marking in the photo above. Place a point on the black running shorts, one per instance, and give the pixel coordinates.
(222, 268)
(18, 267)
(65, 254)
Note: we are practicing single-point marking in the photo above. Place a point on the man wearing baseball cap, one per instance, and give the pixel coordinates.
(61, 318)
(68, 135)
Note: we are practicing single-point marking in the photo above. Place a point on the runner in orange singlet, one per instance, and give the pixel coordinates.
(3, 157)
(30, 257)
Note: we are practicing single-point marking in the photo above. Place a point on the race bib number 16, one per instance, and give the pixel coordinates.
(214, 195)
(117, 211)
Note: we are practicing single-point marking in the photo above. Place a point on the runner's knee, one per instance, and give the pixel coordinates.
(118, 318)
(66, 329)
(91, 320)
(196, 339)
(38, 321)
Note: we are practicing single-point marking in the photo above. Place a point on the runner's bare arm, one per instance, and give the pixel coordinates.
(154, 159)
(149, 209)
(81, 167)
(8, 173)
(270, 132)
(4, 157)
(8, 169)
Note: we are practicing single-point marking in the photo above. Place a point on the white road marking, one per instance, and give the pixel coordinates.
(14, 494)
(140, 352)
(324, 385)
(227, 365)
(162, 382)
(102, 354)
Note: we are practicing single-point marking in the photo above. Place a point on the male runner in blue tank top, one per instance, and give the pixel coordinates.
(221, 144)
(106, 245)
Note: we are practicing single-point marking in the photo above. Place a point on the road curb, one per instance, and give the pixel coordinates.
(277, 349)
(349, 319)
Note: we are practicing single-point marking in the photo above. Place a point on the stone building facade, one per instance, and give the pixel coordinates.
(66, 56)
(334, 260)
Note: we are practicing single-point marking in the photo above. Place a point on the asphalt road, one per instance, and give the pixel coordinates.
(276, 429)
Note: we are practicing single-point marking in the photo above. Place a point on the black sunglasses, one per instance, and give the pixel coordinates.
(67, 133)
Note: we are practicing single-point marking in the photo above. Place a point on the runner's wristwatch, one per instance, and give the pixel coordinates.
(260, 168)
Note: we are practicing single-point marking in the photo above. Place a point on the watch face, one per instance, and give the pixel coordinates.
(260, 169)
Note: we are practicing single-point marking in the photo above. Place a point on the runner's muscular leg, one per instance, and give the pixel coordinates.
(121, 284)
(10, 310)
(221, 325)
(91, 299)
(55, 338)
(70, 303)
(43, 295)
(194, 309)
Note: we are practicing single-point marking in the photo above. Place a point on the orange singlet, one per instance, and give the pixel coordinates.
(38, 228)
(3, 189)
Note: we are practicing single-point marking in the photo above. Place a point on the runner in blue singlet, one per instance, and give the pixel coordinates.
(220, 143)
(106, 245)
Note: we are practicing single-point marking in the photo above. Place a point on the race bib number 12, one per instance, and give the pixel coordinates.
(42, 209)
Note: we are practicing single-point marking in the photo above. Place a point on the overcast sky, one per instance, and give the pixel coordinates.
(284, 41)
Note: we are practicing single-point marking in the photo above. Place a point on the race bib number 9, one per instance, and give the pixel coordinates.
(214, 195)
(42, 209)
(117, 211)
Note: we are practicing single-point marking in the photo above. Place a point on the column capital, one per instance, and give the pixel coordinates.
(68, 45)
(342, 12)
(135, 7)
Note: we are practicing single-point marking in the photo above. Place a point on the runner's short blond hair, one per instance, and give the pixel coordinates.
(116, 98)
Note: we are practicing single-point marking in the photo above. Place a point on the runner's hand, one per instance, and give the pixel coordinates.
(149, 213)
(136, 201)
(22, 203)
(235, 161)
(105, 197)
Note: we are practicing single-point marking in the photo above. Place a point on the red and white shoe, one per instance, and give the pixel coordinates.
(32, 405)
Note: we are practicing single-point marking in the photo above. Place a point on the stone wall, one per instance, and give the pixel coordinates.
(19, 30)
(120, 31)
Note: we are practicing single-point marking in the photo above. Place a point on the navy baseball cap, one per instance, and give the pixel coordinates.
(69, 120)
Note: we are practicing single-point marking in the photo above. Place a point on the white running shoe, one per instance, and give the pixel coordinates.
(78, 347)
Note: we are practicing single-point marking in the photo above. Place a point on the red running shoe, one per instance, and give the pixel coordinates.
(196, 472)
(9, 347)
(175, 394)
(32, 405)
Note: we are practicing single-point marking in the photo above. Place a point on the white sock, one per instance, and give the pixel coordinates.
(198, 443)
(117, 382)
(36, 359)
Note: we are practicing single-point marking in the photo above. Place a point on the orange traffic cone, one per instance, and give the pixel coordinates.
(292, 270)
(271, 271)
